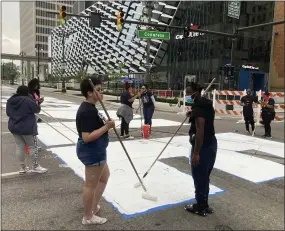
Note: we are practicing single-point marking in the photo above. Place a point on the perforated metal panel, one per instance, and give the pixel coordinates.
(106, 46)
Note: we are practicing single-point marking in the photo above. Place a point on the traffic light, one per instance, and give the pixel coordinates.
(186, 33)
(62, 15)
(120, 20)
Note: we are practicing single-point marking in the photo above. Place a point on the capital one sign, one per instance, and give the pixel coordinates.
(191, 34)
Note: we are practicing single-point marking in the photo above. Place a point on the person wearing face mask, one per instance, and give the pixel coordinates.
(148, 102)
(204, 147)
(246, 102)
(267, 113)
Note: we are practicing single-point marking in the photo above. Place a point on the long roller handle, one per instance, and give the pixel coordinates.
(117, 134)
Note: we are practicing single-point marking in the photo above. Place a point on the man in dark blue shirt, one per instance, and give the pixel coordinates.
(148, 102)
(246, 102)
(204, 148)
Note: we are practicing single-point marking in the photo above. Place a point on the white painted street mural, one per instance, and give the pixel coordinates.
(170, 185)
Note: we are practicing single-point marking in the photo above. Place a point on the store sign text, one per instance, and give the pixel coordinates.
(250, 67)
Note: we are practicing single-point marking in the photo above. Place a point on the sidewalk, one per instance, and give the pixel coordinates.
(163, 107)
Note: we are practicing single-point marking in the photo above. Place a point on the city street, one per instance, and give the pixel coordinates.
(247, 183)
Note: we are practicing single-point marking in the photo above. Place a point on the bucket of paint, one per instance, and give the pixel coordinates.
(146, 131)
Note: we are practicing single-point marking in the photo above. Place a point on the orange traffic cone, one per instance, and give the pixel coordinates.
(27, 150)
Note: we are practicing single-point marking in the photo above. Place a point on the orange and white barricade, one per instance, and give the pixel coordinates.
(223, 98)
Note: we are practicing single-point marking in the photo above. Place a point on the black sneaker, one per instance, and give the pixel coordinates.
(264, 136)
(209, 210)
(196, 209)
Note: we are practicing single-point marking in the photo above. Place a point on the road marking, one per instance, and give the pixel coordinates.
(3, 133)
(9, 174)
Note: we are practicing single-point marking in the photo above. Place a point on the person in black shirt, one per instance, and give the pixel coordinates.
(204, 148)
(34, 90)
(148, 102)
(125, 112)
(246, 102)
(267, 113)
(91, 150)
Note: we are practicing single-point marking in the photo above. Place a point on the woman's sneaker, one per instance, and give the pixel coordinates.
(129, 137)
(95, 220)
(39, 169)
(24, 170)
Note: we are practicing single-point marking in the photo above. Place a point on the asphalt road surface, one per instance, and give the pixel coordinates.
(246, 197)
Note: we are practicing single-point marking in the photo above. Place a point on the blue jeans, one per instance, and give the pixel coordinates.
(201, 173)
(94, 153)
(147, 114)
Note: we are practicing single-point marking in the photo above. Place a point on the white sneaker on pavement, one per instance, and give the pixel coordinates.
(95, 220)
(24, 170)
(129, 137)
(39, 169)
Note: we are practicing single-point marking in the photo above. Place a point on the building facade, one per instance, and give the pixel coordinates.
(35, 27)
(200, 54)
(277, 61)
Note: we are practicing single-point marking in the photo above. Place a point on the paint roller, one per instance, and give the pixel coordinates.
(145, 194)
(138, 184)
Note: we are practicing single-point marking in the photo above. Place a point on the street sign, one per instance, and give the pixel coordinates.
(146, 34)
(234, 9)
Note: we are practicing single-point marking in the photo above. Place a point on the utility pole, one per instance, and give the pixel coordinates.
(148, 78)
(37, 49)
(64, 33)
(63, 89)
(22, 54)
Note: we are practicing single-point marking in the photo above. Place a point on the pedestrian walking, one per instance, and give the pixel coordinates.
(34, 91)
(267, 113)
(22, 124)
(91, 150)
(148, 102)
(204, 148)
(125, 112)
(247, 102)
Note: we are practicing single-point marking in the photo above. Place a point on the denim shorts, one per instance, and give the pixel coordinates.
(92, 154)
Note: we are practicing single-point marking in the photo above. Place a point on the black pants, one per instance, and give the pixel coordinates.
(248, 118)
(201, 173)
(267, 118)
(124, 127)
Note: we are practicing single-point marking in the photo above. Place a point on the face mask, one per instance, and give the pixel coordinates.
(189, 98)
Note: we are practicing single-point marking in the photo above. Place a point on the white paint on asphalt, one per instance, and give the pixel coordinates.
(9, 174)
(167, 183)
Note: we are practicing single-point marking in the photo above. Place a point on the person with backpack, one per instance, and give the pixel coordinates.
(21, 109)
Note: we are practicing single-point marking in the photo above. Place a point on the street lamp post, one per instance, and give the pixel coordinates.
(22, 54)
(64, 34)
(150, 5)
(37, 49)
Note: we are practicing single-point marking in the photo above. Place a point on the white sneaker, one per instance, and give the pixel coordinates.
(39, 169)
(95, 220)
(128, 137)
(24, 170)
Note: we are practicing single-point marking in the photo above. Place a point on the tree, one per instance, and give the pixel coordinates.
(112, 74)
(10, 71)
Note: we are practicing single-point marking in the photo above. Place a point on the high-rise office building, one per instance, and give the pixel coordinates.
(35, 26)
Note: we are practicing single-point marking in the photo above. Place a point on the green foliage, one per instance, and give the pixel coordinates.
(9, 71)
(116, 75)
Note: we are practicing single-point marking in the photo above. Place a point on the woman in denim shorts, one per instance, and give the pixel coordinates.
(91, 150)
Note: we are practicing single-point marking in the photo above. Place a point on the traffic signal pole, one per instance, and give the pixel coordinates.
(63, 88)
(149, 13)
